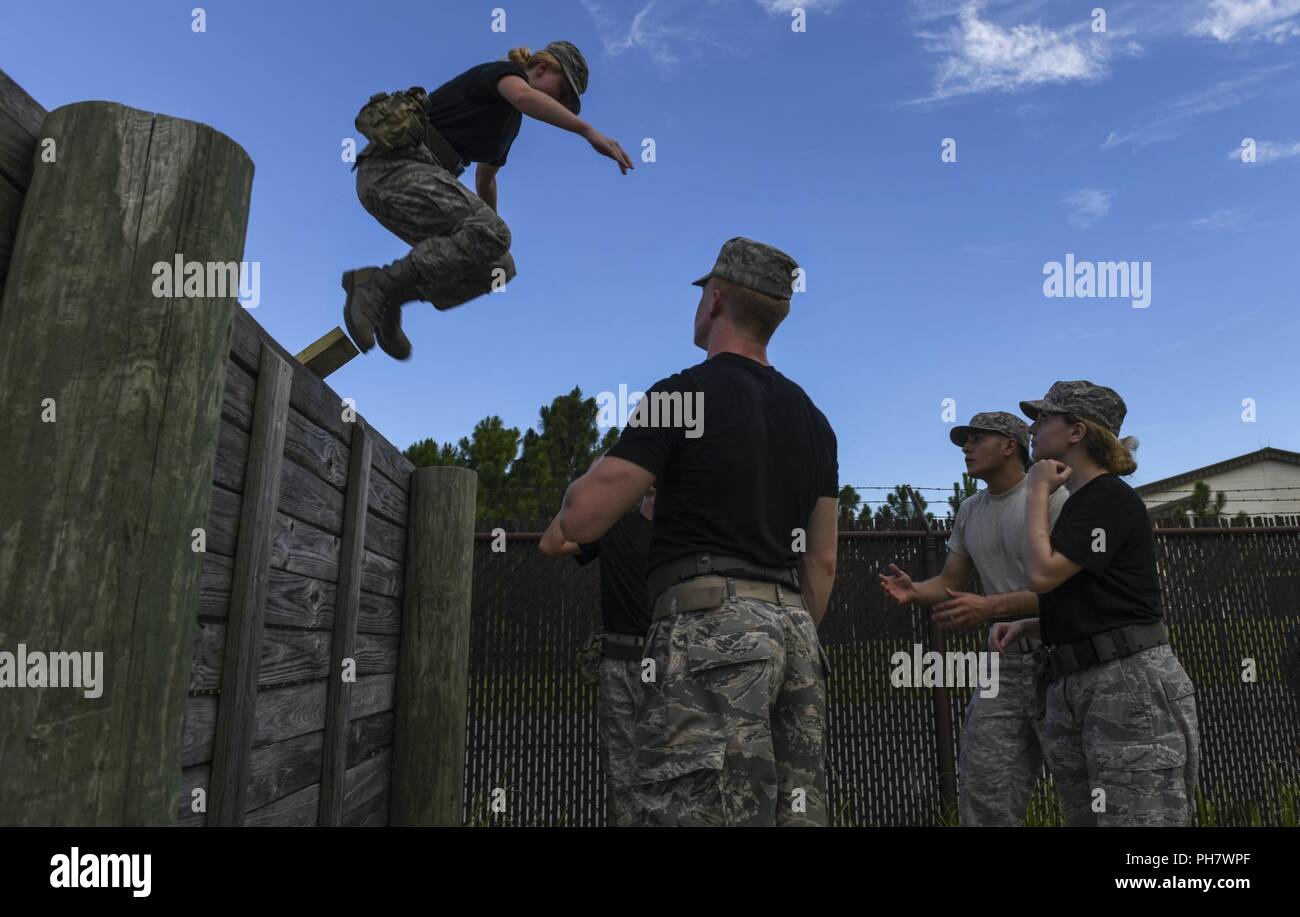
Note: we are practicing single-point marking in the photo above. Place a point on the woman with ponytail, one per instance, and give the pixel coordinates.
(460, 246)
(1120, 731)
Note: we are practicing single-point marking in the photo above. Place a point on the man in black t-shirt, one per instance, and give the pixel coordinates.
(742, 560)
(461, 247)
(625, 617)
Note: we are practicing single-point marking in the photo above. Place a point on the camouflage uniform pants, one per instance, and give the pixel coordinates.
(1001, 747)
(619, 690)
(732, 728)
(1122, 741)
(457, 241)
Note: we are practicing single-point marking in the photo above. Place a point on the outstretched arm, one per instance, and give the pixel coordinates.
(537, 104)
(899, 587)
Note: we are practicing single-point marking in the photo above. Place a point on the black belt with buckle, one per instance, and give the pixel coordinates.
(623, 647)
(1068, 658)
(704, 564)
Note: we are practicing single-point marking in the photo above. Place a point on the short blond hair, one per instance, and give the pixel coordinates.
(755, 314)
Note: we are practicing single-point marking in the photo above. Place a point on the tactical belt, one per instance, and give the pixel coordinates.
(711, 591)
(1068, 658)
(693, 565)
(443, 151)
(624, 647)
(1027, 644)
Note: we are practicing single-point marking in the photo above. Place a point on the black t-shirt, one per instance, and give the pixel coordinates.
(739, 471)
(1104, 528)
(624, 604)
(475, 118)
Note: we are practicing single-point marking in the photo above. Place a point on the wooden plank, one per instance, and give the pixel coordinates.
(243, 634)
(283, 713)
(345, 630)
(370, 814)
(300, 547)
(368, 783)
(328, 352)
(287, 656)
(429, 742)
(20, 128)
(98, 507)
(305, 496)
(286, 767)
(316, 400)
(365, 781)
(11, 208)
(294, 600)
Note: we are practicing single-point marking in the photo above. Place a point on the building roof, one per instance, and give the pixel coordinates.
(1268, 454)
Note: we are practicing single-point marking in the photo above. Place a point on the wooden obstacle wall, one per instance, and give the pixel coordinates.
(304, 578)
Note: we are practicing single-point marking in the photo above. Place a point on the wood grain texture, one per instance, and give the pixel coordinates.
(429, 739)
(99, 506)
(345, 630)
(243, 633)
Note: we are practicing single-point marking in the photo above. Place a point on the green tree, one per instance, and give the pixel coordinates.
(849, 502)
(898, 507)
(429, 452)
(967, 488)
(1200, 504)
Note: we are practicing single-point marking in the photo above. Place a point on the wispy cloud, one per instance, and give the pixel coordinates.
(1234, 20)
(1229, 219)
(657, 29)
(1174, 116)
(982, 56)
(1267, 151)
(786, 7)
(1086, 206)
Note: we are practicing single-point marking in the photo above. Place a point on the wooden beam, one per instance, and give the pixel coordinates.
(20, 127)
(113, 400)
(433, 657)
(328, 353)
(243, 650)
(346, 610)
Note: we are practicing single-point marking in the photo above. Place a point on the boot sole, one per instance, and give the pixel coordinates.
(354, 330)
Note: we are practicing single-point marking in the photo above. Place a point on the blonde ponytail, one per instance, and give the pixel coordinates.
(1106, 449)
(527, 59)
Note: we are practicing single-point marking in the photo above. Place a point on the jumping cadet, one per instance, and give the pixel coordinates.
(731, 730)
(407, 180)
(1121, 733)
(625, 617)
(1001, 754)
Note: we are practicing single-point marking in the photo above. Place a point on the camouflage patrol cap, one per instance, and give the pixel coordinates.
(1083, 399)
(574, 66)
(754, 265)
(993, 422)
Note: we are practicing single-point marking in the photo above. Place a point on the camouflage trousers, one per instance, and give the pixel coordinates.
(616, 703)
(1001, 747)
(459, 246)
(732, 727)
(1123, 743)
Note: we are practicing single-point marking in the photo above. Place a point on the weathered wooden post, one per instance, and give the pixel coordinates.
(433, 663)
(113, 398)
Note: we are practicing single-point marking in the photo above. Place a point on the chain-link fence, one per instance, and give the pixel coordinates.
(1232, 601)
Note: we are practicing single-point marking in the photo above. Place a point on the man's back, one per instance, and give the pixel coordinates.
(759, 447)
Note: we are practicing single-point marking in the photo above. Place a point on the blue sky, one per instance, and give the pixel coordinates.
(925, 278)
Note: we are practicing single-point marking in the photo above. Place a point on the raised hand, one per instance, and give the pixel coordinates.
(898, 586)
